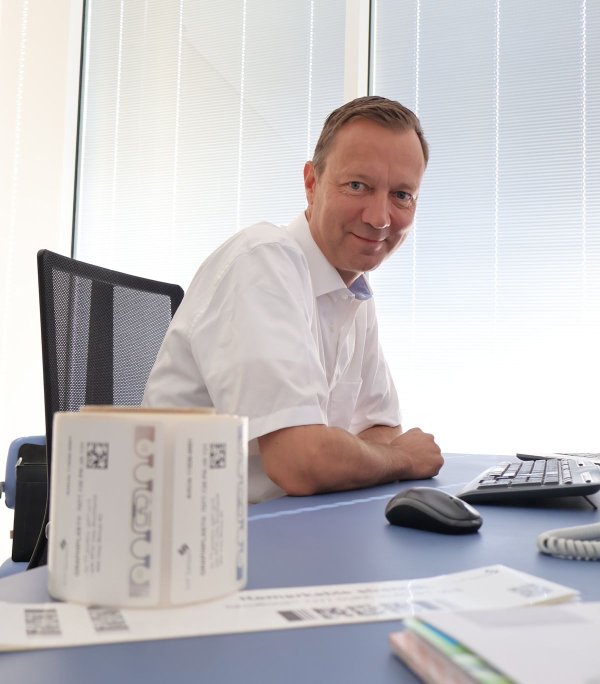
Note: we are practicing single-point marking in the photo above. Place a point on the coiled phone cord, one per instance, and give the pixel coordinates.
(577, 543)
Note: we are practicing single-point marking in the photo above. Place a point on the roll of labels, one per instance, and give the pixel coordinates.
(148, 508)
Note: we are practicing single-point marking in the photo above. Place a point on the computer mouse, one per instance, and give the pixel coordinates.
(427, 508)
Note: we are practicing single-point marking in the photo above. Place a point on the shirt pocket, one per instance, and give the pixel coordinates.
(342, 404)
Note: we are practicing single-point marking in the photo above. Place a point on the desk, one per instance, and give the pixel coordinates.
(327, 539)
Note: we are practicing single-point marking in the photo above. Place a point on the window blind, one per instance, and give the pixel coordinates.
(197, 119)
(491, 311)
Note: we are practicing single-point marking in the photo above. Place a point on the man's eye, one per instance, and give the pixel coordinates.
(356, 185)
(404, 197)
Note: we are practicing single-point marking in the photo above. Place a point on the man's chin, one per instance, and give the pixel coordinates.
(370, 260)
(364, 266)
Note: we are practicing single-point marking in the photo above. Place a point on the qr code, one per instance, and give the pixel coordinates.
(42, 622)
(107, 619)
(218, 455)
(96, 456)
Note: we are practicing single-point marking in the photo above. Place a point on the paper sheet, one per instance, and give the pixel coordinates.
(54, 625)
(531, 645)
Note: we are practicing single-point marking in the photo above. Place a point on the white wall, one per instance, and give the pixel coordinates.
(39, 79)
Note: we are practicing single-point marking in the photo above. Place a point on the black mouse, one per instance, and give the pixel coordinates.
(432, 509)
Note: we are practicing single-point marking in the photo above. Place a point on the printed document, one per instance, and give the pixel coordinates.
(531, 644)
(55, 625)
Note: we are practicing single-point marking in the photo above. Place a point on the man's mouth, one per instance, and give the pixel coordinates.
(369, 240)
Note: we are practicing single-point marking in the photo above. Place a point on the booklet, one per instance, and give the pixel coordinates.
(521, 645)
(435, 657)
(55, 625)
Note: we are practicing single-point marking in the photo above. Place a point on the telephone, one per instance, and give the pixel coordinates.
(576, 543)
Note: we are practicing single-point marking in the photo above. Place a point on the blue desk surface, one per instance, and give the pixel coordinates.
(327, 539)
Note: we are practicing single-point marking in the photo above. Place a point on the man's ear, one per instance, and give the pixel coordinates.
(310, 181)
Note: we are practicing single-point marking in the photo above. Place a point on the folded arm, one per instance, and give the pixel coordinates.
(309, 459)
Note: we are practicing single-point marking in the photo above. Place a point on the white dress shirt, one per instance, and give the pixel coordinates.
(269, 330)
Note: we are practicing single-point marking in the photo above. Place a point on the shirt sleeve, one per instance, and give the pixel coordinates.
(377, 402)
(253, 341)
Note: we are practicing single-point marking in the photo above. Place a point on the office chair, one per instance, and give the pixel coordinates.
(101, 332)
(29, 492)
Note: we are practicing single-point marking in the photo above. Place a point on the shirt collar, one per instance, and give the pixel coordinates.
(324, 276)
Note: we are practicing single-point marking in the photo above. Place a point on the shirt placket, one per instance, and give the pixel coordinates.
(346, 308)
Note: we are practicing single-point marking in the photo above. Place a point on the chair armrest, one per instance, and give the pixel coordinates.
(10, 484)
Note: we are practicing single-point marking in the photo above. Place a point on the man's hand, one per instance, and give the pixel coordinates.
(418, 455)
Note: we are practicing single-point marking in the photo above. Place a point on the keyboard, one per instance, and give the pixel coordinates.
(515, 481)
(575, 455)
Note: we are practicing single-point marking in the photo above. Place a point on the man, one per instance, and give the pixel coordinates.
(279, 323)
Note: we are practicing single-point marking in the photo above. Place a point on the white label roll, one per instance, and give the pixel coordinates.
(148, 508)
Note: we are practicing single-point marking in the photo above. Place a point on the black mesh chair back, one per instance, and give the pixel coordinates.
(101, 332)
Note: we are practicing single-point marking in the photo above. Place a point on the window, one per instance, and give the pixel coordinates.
(490, 315)
(197, 119)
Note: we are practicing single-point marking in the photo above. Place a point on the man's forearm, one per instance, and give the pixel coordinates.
(310, 459)
(380, 434)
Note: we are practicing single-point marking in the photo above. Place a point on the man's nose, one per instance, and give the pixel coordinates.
(377, 210)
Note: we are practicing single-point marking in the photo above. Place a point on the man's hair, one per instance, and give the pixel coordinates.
(386, 113)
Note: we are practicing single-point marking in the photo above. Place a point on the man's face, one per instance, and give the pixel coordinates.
(354, 205)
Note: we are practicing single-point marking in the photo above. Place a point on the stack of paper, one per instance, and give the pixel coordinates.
(525, 645)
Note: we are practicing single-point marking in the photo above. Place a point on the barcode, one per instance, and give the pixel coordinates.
(107, 619)
(296, 615)
(398, 609)
(42, 622)
(218, 455)
(96, 455)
